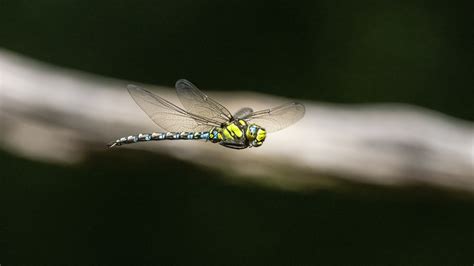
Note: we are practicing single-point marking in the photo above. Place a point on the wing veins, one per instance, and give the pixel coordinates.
(197, 102)
(164, 110)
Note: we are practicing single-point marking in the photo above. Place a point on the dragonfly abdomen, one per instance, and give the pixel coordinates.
(160, 136)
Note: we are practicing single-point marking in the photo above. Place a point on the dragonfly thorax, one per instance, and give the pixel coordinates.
(255, 135)
(238, 134)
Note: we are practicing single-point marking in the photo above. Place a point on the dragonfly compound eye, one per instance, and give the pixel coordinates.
(251, 132)
(255, 135)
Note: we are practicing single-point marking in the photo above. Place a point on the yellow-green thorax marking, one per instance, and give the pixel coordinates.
(238, 134)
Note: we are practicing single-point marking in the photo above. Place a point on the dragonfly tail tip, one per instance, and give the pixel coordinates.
(111, 145)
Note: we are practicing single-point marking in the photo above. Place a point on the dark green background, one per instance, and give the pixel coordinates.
(144, 208)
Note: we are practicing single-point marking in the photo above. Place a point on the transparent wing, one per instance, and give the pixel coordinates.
(277, 118)
(196, 102)
(243, 112)
(167, 115)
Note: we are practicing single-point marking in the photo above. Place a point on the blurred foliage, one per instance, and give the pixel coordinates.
(143, 208)
(115, 208)
(419, 52)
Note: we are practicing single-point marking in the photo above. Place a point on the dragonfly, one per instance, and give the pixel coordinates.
(203, 118)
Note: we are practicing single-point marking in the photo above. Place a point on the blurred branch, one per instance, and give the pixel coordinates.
(59, 115)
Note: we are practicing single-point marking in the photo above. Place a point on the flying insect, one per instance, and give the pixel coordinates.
(203, 118)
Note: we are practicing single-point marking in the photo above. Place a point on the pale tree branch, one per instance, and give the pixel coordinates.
(52, 114)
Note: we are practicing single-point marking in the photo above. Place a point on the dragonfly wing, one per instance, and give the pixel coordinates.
(243, 112)
(166, 114)
(277, 118)
(197, 102)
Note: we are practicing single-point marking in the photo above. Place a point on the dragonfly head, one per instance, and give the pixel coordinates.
(255, 135)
